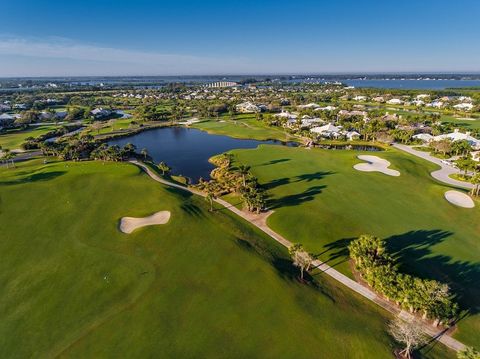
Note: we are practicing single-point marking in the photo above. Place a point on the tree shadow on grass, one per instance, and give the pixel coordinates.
(274, 162)
(337, 252)
(179, 192)
(36, 177)
(309, 177)
(412, 251)
(276, 183)
(296, 199)
(283, 265)
(191, 209)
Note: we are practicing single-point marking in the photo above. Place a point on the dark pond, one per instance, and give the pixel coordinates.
(187, 150)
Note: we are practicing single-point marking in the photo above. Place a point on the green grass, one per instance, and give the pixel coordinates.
(322, 202)
(245, 126)
(13, 139)
(460, 122)
(203, 285)
(118, 125)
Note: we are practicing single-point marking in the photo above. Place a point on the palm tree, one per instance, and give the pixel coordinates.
(164, 168)
(8, 156)
(301, 258)
(475, 180)
(244, 171)
(144, 153)
(211, 195)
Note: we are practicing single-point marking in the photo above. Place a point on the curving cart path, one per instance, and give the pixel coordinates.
(443, 173)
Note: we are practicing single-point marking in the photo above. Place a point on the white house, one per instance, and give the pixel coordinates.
(247, 107)
(310, 105)
(360, 98)
(287, 115)
(464, 106)
(328, 130)
(326, 108)
(352, 135)
(100, 113)
(379, 99)
(309, 122)
(456, 135)
(395, 101)
(418, 102)
(422, 96)
(425, 137)
(436, 104)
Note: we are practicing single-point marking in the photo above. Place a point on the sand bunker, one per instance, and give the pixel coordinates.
(129, 224)
(375, 164)
(459, 199)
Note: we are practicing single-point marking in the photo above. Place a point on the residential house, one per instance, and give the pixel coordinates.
(456, 135)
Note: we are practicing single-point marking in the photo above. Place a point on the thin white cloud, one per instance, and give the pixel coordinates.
(64, 49)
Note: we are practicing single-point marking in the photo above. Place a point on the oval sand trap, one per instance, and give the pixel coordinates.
(375, 164)
(129, 224)
(459, 199)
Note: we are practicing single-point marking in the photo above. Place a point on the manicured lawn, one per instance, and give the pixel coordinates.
(245, 126)
(13, 139)
(461, 122)
(203, 285)
(322, 202)
(118, 124)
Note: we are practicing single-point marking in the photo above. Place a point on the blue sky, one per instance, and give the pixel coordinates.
(146, 37)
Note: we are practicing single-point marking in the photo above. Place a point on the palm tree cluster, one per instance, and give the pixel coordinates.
(475, 180)
(234, 179)
(74, 148)
(7, 157)
(113, 153)
(34, 143)
(380, 271)
(86, 147)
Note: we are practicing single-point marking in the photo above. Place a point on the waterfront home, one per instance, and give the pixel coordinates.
(309, 122)
(100, 113)
(352, 135)
(328, 130)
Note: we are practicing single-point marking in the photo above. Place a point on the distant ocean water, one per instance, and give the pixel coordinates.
(413, 84)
